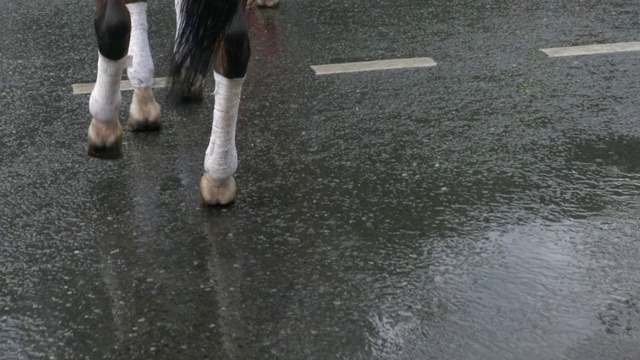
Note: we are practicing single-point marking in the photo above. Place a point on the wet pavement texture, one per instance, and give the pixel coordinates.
(485, 208)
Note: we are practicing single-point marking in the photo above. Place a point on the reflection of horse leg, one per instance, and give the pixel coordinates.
(144, 113)
(217, 186)
(225, 264)
(113, 28)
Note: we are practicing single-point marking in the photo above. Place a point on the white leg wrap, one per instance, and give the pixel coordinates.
(104, 103)
(140, 73)
(221, 159)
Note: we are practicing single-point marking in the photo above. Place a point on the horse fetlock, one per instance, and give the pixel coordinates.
(105, 139)
(144, 113)
(215, 193)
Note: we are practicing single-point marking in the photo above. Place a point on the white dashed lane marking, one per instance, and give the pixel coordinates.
(125, 85)
(373, 65)
(592, 49)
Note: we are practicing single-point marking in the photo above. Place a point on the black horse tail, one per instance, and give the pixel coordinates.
(203, 23)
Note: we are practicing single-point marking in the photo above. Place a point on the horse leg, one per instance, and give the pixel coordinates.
(194, 93)
(217, 185)
(144, 113)
(113, 27)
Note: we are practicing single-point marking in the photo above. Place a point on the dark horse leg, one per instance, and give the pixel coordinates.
(113, 26)
(217, 185)
(237, 35)
(113, 29)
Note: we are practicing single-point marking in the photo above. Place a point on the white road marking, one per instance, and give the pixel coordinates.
(125, 85)
(373, 65)
(592, 49)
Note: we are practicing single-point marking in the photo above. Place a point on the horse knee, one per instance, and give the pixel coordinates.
(237, 38)
(233, 60)
(113, 29)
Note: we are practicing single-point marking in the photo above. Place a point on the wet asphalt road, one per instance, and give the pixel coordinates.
(486, 208)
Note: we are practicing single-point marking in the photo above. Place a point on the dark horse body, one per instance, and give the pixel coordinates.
(208, 31)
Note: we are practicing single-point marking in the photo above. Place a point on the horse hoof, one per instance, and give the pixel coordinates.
(211, 194)
(268, 3)
(105, 140)
(194, 95)
(142, 125)
(144, 114)
(189, 93)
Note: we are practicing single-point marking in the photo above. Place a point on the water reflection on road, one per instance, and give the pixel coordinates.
(486, 208)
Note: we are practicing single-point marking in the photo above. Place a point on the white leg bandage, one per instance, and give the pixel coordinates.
(140, 73)
(221, 159)
(104, 103)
